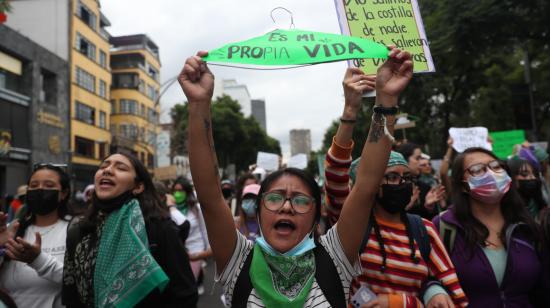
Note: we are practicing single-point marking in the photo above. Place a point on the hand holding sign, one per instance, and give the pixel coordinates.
(196, 80)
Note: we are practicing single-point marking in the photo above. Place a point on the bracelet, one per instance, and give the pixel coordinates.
(349, 121)
(385, 110)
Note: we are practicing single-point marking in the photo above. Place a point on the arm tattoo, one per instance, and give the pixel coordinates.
(207, 126)
(376, 128)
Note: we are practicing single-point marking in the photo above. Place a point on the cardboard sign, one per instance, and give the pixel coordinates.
(471, 137)
(504, 141)
(298, 161)
(267, 161)
(388, 22)
(297, 47)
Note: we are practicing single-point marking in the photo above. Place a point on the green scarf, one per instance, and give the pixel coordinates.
(183, 208)
(125, 271)
(282, 281)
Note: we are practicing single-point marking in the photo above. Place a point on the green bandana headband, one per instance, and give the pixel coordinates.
(125, 270)
(396, 159)
(282, 281)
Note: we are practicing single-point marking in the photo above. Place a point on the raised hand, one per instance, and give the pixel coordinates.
(6, 232)
(394, 75)
(196, 80)
(355, 84)
(21, 250)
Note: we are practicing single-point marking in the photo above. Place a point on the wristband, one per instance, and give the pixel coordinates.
(349, 121)
(385, 110)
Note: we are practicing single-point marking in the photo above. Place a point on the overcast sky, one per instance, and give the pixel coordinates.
(309, 97)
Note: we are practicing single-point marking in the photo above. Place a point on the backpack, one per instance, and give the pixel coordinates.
(447, 233)
(419, 233)
(326, 276)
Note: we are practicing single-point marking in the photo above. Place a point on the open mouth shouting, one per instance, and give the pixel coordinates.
(284, 227)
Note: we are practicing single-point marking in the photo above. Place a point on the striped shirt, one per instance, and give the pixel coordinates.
(402, 279)
(315, 297)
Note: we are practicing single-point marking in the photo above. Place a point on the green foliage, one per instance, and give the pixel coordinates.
(237, 139)
(478, 47)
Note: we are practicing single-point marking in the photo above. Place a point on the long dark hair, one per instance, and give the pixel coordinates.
(514, 167)
(29, 218)
(302, 175)
(511, 205)
(149, 200)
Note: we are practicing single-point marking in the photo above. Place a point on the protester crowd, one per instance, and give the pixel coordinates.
(384, 230)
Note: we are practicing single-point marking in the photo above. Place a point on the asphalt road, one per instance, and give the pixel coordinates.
(211, 298)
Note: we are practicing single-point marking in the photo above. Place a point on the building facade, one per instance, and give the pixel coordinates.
(238, 92)
(34, 108)
(258, 112)
(75, 30)
(300, 141)
(135, 108)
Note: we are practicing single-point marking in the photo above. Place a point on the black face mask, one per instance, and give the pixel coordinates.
(42, 201)
(529, 188)
(226, 193)
(395, 197)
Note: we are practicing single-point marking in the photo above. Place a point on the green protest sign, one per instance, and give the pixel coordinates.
(390, 22)
(296, 47)
(504, 141)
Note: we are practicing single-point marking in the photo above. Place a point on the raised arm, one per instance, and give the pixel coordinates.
(197, 83)
(338, 158)
(391, 79)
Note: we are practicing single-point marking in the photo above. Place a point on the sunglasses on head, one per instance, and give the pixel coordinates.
(62, 167)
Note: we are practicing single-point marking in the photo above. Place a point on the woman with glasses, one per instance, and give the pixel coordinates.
(126, 251)
(34, 247)
(493, 242)
(287, 266)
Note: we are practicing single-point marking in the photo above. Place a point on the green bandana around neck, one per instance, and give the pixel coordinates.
(282, 281)
(125, 270)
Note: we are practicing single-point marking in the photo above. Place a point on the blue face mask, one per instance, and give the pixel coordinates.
(304, 246)
(249, 207)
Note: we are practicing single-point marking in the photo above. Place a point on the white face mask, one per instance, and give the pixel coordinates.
(307, 244)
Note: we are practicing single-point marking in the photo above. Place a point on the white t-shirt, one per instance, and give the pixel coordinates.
(315, 297)
(38, 284)
(197, 240)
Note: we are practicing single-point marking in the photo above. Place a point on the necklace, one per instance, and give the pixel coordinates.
(46, 231)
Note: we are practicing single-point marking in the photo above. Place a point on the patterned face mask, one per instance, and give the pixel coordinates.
(490, 187)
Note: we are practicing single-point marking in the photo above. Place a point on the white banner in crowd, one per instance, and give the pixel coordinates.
(464, 138)
(267, 161)
(298, 161)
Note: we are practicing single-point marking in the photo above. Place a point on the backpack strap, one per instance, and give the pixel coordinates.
(420, 235)
(367, 234)
(243, 286)
(447, 233)
(327, 278)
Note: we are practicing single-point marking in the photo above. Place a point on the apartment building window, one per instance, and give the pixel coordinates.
(85, 47)
(141, 86)
(102, 59)
(142, 111)
(113, 129)
(150, 160)
(113, 106)
(151, 92)
(103, 150)
(102, 88)
(129, 131)
(48, 93)
(85, 113)
(102, 119)
(151, 138)
(84, 147)
(86, 15)
(151, 115)
(125, 81)
(153, 73)
(85, 79)
(128, 106)
(142, 134)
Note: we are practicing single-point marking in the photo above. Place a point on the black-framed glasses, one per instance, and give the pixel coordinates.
(394, 178)
(62, 167)
(274, 201)
(481, 168)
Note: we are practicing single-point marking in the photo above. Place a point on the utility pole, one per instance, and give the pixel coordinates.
(527, 75)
